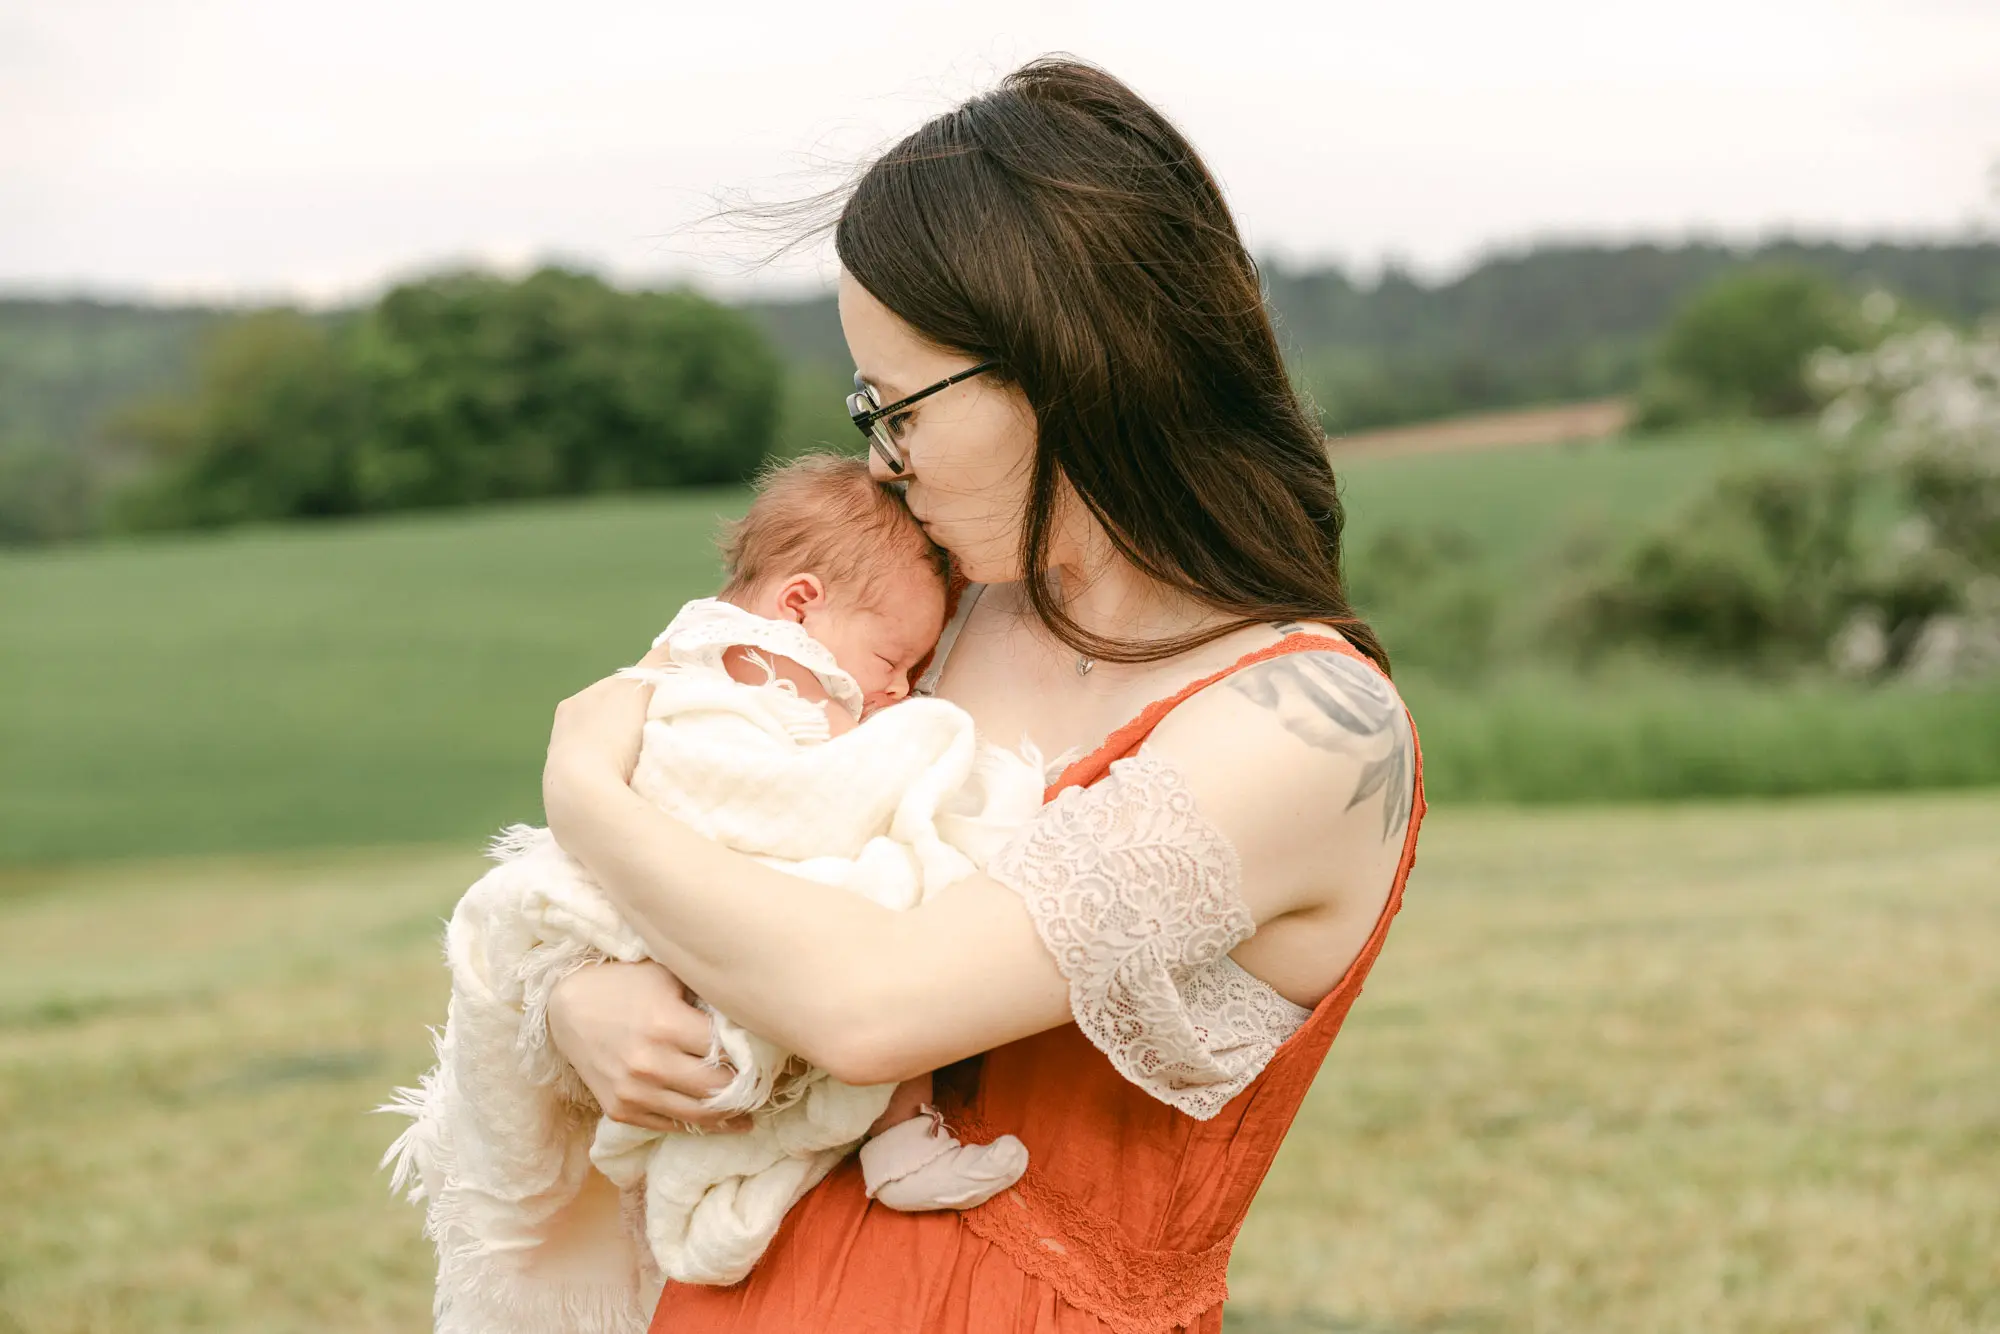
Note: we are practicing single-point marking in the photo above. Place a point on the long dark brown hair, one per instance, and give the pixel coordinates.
(1063, 227)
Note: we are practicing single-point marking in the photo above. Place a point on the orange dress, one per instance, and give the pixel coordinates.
(1125, 1218)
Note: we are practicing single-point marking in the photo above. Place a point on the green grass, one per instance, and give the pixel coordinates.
(380, 681)
(1541, 736)
(1520, 507)
(1703, 1068)
(391, 680)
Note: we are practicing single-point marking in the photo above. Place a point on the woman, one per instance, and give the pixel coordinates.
(1088, 410)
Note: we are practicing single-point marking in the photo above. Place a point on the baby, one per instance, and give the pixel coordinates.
(770, 730)
(827, 549)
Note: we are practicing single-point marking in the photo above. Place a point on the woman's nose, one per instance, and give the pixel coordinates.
(880, 470)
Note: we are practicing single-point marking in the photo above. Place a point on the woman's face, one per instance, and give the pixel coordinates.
(969, 448)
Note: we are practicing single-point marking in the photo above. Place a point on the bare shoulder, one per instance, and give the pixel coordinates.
(1345, 710)
(1308, 763)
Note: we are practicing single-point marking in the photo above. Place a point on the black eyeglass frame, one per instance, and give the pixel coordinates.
(868, 420)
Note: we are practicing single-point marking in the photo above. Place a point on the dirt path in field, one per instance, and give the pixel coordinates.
(1593, 420)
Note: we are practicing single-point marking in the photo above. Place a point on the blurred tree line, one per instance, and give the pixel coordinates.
(464, 387)
(455, 390)
(1548, 324)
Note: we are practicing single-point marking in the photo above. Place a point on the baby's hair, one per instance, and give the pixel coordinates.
(822, 514)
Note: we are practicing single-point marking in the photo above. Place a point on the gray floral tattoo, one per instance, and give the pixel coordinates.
(1332, 702)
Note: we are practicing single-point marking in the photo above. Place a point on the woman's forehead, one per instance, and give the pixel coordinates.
(886, 351)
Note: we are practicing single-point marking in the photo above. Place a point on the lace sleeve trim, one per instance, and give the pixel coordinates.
(1139, 898)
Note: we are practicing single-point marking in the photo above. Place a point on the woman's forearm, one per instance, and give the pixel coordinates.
(783, 956)
(872, 995)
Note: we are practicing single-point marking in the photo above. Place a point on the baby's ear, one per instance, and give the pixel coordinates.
(799, 594)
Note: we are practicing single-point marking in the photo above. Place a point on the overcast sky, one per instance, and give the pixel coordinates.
(259, 147)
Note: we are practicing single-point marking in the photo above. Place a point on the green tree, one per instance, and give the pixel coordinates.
(1740, 345)
(460, 389)
(270, 430)
(1759, 572)
(559, 384)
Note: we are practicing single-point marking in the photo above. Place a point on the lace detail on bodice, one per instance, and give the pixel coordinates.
(705, 627)
(1139, 898)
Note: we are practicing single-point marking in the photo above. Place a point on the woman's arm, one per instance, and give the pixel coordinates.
(847, 984)
(874, 995)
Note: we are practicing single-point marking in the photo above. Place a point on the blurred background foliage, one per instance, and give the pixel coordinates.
(1781, 578)
(293, 592)
(466, 387)
(458, 390)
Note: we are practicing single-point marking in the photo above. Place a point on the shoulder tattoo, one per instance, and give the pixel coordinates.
(1331, 702)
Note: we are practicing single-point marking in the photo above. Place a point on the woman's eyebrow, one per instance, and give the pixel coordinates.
(889, 390)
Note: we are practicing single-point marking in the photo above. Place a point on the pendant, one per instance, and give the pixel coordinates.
(1083, 665)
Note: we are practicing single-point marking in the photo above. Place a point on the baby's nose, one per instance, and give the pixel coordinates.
(894, 692)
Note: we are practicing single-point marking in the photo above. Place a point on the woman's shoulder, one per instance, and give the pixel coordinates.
(1304, 757)
(1295, 704)
(1305, 673)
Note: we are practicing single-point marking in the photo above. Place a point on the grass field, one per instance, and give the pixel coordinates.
(1702, 1068)
(390, 681)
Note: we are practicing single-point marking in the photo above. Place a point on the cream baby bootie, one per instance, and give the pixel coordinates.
(917, 1165)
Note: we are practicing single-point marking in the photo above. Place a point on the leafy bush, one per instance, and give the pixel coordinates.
(1740, 346)
(460, 389)
(1786, 566)
(1760, 571)
(47, 494)
(274, 429)
(1433, 596)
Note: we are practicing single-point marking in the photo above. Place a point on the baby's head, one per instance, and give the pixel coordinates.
(829, 547)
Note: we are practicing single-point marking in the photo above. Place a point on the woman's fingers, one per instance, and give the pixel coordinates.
(675, 1025)
(677, 1070)
(639, 1044)
(668, 1094)
(642, 1049)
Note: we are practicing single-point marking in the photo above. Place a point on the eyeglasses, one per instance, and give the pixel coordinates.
(879, 423)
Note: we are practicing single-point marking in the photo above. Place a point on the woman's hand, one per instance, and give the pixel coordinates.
(593, 743)
(642, 1049)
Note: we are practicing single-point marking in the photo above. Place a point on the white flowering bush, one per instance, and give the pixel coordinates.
(1879, 553)
(1922, 410)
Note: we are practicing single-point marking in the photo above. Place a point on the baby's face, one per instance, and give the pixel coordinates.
(880, 638)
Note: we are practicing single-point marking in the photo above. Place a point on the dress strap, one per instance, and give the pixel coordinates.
(1128, 738)
(968, 597)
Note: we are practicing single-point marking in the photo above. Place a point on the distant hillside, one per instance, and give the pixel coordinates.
(1550, 323)
(64, 364)
(1545, 324)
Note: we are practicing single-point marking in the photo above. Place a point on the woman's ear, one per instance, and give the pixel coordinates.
(800, 594)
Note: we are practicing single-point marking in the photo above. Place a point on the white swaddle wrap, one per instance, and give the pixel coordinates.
(505, 1137)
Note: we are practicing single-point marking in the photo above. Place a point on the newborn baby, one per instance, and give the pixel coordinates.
(770, 730)
(826, 550)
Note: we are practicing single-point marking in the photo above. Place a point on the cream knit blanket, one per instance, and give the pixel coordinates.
(550, 1217)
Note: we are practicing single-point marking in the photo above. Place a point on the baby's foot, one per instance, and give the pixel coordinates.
(919, 1165)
